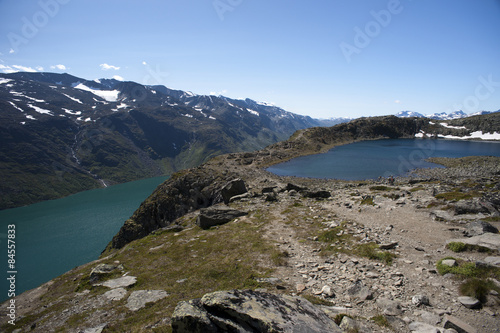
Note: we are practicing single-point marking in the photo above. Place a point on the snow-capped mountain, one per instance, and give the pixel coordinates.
(409, 114)
(81, 133)
(443, 115)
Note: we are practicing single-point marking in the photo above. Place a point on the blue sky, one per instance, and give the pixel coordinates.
(323, 58)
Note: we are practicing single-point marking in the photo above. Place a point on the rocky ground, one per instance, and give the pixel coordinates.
(365, 251)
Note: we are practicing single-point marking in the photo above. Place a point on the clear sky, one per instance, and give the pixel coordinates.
(323, 58)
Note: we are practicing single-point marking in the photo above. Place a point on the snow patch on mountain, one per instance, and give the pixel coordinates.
(73, 99)
(40, 110)
(108, 95)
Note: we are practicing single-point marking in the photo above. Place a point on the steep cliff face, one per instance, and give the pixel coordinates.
(201, 187)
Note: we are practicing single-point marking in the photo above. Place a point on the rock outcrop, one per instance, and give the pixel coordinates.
(217, 215)
(250, 311)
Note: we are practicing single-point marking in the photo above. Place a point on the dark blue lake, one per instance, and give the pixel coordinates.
(55, 236)
(373, 159)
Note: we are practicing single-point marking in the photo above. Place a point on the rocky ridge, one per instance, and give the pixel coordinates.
(367, 254)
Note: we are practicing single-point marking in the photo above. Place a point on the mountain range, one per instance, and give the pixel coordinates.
(62, 134)
(442, 115)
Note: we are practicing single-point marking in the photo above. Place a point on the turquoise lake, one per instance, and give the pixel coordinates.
(55, 236)
(381, 158)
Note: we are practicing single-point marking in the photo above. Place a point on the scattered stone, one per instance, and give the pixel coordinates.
(348, 324)
(430, 318)
(389, 307)
(122, 282)
(388, 246)
(115, 294)
(420, 300)
(217, 215)
(419, 327)
(139, 298)
(328, 291)
(449, 262)
(469, 302)
(250, 311)
(97, 329)
(360, 291)
(458, 325)
(300, 288)
(102, 269)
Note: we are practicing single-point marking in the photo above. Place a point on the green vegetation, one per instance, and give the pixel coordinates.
(381, 320)
(491, 219)
(478, 288)
(383, 188)
(461, 247)
(475, 278)
(338, 240)
(457, 246)
(317, 300)
(186, 264)
(455, 196)
(368, 200)
(371, 251)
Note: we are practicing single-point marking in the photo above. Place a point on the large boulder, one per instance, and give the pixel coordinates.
(233, 188)
(250, 311)
(217, 215)
(476, 228)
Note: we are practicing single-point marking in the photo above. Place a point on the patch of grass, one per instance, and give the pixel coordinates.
(464, 269)
(371, 251)
(383, 188)
(455, 196)
(380, 320)
(280, 258)
(418, 188)
(368, 200)
(434, 204)
(233, 256)
(477, 288)
(457, 246)
(491, 219)
(317, 300)
(392, 196)
(461, 247)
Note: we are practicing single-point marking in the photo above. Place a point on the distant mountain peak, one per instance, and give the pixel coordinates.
(441, 115)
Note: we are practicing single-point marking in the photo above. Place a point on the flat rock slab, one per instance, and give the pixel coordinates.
(458, 325)
(489, 240)
(250, 311)
(494, 261)
(123, 282)
(469, 302)
(139, 298)
(115, 294)
(217, 215)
